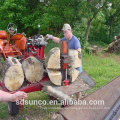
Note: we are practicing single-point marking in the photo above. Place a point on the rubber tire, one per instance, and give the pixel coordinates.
(13, 109)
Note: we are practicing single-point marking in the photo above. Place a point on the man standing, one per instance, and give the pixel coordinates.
(73, 42)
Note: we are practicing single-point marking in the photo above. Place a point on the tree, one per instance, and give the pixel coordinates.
(12, 11)
(112, 18)
(89, 10)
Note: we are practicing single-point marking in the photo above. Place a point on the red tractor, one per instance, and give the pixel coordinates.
(12, 45)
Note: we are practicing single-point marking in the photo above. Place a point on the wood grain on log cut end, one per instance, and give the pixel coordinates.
(75, 61)
(55, 76)
(52, 60)
(13, 74)
(73, 74)
(33, 69)
(14, 78)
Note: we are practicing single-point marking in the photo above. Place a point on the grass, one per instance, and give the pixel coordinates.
(50, 45)
(3, 110)
(101, 69)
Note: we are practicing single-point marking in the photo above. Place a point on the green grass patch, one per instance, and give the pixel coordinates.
(3, 110)
(102, 70)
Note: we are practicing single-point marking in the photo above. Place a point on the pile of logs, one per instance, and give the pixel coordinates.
(114, 46)
(32, 69)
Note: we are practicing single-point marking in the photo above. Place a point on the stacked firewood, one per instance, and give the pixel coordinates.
(114, 46)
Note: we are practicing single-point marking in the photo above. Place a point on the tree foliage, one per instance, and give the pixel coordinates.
(91, 20)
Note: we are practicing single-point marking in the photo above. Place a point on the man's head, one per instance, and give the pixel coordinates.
(66, 27)
(67, 31)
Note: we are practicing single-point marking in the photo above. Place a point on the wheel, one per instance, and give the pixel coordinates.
(12, 28)
(13, 109)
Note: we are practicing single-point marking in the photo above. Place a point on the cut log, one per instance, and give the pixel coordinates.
(33, 69)
(75, 60)
(12, 73)
(52, 91)
(73, 73)
(94, 49)
(55, 76)
(52, 60)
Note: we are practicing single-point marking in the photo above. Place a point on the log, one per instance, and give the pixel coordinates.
(33, 69)
(114, 46)
(52, 91)
(73, 73)
(94, 49)
(55, 76)
(13, 76)
(75, 60)
(52, 60)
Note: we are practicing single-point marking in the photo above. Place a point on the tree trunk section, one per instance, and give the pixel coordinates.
(52, 60)
(33, 69)
(75, 61)
(12, 73)
(73, 73)
(55, 76)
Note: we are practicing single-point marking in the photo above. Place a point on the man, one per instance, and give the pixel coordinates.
(73, 42)
(5, 96)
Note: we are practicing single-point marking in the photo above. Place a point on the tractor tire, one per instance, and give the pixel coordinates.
(13, 109)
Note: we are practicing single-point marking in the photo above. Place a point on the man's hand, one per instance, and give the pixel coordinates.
(49, 37)
(18, 96)
(79, 55)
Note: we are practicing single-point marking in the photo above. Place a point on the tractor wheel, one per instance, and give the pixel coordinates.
(13, 109)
